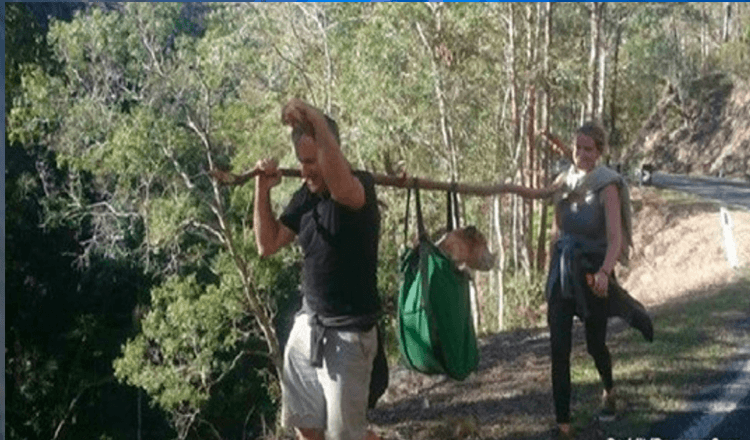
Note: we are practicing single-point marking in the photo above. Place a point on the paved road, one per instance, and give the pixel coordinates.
(731, 193)
(722, 411)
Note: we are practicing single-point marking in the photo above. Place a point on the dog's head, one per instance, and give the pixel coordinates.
(468, 248)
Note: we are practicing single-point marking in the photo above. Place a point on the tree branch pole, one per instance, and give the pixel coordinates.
(403, 181)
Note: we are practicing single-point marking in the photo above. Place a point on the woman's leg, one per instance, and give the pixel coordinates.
(560, 319)
(596, 337)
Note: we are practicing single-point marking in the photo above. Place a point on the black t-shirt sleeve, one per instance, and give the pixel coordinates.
(293, 212)
(368, 183)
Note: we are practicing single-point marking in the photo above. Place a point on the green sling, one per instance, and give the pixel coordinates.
(435, 328)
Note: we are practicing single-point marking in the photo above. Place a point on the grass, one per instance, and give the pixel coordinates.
(695, 339)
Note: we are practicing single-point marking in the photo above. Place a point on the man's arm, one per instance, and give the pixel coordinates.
(344, 187)
(270, 234)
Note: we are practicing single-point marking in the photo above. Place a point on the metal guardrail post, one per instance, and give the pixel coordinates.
(729, 245)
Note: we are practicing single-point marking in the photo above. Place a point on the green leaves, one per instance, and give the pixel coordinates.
(175, 357)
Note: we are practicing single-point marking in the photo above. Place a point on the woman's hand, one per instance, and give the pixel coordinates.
(599, 283)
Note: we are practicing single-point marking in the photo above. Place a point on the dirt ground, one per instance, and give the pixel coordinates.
(678, 251)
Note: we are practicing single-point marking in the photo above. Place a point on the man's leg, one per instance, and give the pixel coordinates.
(309, 434)
(302, 397)
(345, 378)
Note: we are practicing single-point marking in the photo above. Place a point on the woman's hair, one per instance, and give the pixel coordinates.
(298, 131)
(596, 132)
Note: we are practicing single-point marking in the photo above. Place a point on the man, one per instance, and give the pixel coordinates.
(329, 356)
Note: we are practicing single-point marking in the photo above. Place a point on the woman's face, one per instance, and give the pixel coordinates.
(586, 153)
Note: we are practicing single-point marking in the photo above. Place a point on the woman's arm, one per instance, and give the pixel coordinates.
(530, 193)
(613, 221)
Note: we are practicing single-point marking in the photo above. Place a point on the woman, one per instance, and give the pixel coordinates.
(591, 232)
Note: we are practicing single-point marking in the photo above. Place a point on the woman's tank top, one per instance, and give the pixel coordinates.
(582, 214)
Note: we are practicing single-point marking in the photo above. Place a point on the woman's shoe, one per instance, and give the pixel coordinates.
(609, 406)
(563, 432)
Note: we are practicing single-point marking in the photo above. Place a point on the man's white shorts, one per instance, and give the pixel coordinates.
(333, 397)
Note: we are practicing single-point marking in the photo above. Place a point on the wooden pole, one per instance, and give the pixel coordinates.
(403, 181)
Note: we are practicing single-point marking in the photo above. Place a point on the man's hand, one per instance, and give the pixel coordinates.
(269, 175)
(296, 113)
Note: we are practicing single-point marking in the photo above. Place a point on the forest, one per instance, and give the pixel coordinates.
(136, 304)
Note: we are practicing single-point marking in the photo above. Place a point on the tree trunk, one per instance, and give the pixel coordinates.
(614, 136)
(511, 63)
(531, 141)
(704, 35)
(501, 261)
(518, 222)
(541, 255)
(595, 22)
(473, 297)
(599, 113)
(726, 29)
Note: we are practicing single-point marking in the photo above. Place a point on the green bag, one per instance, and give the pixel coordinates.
(435, 328)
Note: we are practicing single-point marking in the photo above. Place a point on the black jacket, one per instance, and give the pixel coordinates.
(574, 257)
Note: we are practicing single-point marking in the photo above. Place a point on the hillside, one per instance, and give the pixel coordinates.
(678, 246)
(703, 129)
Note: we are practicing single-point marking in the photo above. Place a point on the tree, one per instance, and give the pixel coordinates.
(143, 108)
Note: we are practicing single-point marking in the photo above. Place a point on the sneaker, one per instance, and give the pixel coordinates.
(609, 407)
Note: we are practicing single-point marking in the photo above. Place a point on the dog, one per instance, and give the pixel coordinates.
(468, 249)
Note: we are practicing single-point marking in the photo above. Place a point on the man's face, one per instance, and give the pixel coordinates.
(307, 155)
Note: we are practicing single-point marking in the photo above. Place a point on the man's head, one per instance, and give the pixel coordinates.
(307, 155)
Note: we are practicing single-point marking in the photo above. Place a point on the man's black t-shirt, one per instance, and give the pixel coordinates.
(340, 248)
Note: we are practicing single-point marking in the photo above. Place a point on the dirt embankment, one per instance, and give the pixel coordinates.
(679, 247)
(702, 128)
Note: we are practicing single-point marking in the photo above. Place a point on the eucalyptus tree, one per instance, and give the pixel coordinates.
(151, 96)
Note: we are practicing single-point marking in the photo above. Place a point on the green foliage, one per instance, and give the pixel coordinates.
(734, 57)
(196, 336)
(112, 126)
(523, 300)
(185, 321)
(25, 48)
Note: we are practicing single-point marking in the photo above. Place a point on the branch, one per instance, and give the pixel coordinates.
(403, 181)
(558, 145)
(194, 126)
(111, 209)
(198, 225)
(178, 167)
